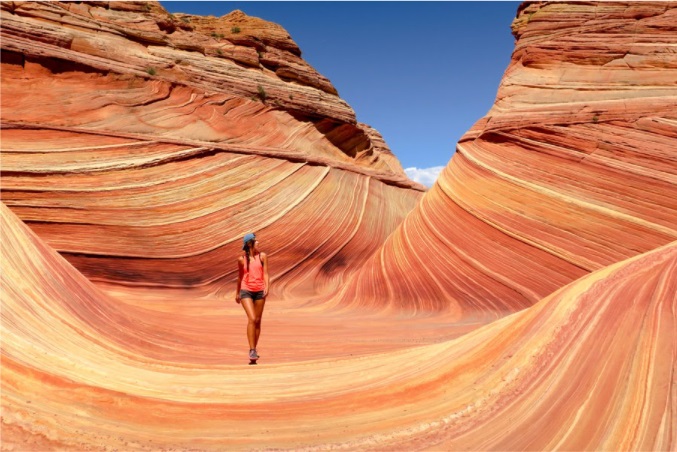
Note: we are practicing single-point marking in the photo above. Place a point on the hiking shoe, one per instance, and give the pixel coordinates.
(253, 354)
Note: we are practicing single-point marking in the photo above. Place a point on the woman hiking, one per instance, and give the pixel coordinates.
(252, 289)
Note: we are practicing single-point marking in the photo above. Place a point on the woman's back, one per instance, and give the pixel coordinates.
(252, 279)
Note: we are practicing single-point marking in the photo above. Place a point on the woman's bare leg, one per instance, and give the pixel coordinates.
(248, 305)
(258, 309)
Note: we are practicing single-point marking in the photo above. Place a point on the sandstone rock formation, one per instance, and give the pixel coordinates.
(570, 373)
(526, 302)
(573, 169)
(150, 143)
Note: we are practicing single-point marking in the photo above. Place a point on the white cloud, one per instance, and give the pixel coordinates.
(425, 176)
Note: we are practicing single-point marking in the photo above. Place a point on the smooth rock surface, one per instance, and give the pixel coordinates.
(82, 368)
(574, 168)
(526, 302)
(144, 160)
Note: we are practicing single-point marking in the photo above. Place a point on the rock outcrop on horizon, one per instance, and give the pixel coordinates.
(528, 301)
(574, 168)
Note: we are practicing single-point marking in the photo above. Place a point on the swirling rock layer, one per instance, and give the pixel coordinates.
(574, 168)
(526, 302)
(144, 160)
(570, 373)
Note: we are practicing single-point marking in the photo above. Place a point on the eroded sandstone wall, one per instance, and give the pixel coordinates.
(573, 168)
(81, 371)
(540, 192)
(143, 145)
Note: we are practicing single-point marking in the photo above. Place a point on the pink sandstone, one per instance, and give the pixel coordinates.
(175, 151)
(138, 147)
(574, 168)
(82, 370)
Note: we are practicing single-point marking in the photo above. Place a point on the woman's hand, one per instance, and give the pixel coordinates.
(265, 292)
(237, 297)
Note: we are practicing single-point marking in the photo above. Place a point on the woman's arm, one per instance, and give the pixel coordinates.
(240, 274)
(266, 283)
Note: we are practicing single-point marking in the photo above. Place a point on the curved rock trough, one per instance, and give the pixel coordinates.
(139, 146)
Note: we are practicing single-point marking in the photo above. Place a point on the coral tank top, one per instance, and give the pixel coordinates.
(252, 280)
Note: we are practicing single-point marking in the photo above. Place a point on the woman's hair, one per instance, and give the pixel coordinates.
(246, 250)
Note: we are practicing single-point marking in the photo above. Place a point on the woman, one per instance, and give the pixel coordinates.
(252, 288)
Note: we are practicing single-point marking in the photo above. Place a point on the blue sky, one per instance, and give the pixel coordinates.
(421, 73)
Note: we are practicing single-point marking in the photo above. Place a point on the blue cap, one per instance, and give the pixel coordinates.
(247, 237)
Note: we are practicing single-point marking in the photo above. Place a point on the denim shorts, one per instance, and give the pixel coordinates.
(253, 295)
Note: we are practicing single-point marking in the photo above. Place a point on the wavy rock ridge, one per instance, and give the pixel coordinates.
(572, 169)
(548, 320)
(139, 154)
(609, 333)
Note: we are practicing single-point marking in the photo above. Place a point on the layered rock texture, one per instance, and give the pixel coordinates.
(526, 302)
(571, 373)
(574, 168)
(142, 145)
